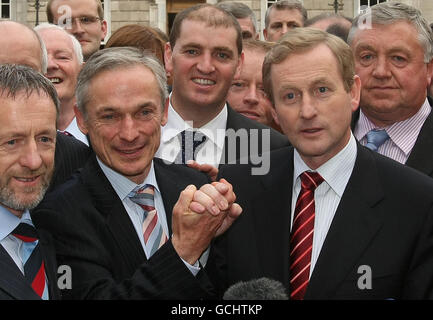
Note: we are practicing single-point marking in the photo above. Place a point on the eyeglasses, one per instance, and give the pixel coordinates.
(84, 20)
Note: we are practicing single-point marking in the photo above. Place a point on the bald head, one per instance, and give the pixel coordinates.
(19, 44)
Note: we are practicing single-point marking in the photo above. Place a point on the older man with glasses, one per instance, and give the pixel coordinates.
(82, 18)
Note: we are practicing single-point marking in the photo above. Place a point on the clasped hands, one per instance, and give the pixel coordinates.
(200, 215)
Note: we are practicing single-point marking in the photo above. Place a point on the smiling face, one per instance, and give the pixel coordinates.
(389, 59)
(124, 118)
(27, 144)
(311, 104)
(63, 65)
(90, 34)
(203, 63)
(246, 94)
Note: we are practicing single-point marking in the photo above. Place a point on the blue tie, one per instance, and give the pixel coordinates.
(375, 138)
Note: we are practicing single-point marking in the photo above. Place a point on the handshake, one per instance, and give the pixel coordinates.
(200, 215)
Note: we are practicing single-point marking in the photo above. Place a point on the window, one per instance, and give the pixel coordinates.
(5, 9)
(359, 4)
(370, 3)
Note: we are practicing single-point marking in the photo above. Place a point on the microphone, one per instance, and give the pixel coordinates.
(256, 289)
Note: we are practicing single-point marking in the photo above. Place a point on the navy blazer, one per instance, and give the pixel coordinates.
(384, 220)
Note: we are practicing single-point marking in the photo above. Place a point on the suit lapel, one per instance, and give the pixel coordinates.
(353, 227)
(421, 157)
(12, 280)
(48, 250)
(118, 222)
(169, 186)
(273, 231)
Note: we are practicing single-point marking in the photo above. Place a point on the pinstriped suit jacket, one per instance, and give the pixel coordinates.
(95, 237)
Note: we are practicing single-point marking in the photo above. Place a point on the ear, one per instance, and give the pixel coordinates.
(168, 57)
(429, 73)
(355, 93)
(165, 112)
(104, 29)
(239, 67)
(80, 120)
(275, 116)
(265, 34)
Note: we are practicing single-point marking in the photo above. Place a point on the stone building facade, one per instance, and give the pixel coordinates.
(160, 13)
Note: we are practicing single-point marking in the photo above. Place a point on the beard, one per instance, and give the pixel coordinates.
(26, 198)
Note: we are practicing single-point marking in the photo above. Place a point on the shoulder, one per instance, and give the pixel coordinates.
(166, 172)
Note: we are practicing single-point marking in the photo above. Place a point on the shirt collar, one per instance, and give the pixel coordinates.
(403, 133)
(122, 185)
(336, 171)
(213, 130)
(9, 221)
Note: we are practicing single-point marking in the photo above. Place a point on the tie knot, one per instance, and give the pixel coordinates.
(375, 138)
(144, 197)
(310, 180)
(25, 232)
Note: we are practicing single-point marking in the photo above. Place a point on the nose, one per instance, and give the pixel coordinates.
(205, 65)
(284, 29)
(381, 68)
(76, 27)
(52, 63)
(31, 157)
(127, 130)
(308, 108)
(251, 96)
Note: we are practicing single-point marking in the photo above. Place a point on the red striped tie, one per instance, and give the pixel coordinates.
(301, 238)
(34, 269)
(154, 235)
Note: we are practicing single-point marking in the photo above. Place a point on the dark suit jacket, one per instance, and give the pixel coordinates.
(14, 286)
(421, 157)
(256, 139)
(384, 220)
(70, 155)
(94, 235)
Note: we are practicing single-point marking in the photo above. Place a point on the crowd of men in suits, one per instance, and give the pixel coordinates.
(303, 158)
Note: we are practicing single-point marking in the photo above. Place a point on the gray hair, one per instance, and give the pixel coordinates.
(286, 5)
(15, 79)
(75, 44)
(390, 12)
(115, 58)
(240, 11)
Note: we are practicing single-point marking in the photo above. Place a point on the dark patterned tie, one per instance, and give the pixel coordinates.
(301, 237)
(191, 142)
(34, 268)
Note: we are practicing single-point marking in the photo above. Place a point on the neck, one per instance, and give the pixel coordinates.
(198, 114)
(66, 114)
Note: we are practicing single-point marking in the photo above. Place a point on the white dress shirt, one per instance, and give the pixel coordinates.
(123, 187)
(11, 244)
(214, 130)
(402, 135)
(76, 132)
(336, 173)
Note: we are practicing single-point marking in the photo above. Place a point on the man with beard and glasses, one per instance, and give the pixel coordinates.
(29, 106)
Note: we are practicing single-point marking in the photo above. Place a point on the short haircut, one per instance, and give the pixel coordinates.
(386, 13)
(338, 30)
(75, 44)
(258, 45)
(43, 52)
(240, 11)
(139, 36)
(302, 40)
(16, 79)
(326, 16)
(50, 15)
(118, 58)
(212, 16)
(286, 5)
